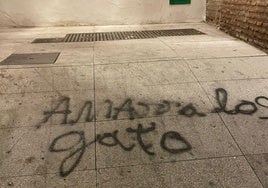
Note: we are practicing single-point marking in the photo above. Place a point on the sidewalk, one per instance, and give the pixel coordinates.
(185, 111)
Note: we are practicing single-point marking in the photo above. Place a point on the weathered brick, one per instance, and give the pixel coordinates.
(245, 19)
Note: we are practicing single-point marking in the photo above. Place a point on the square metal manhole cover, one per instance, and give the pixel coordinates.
(29, 59)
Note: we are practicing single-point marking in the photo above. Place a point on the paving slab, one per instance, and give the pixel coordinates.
(72, 78)
(245, 120)
(23, 151)
(82, 179)
(66, 140)
(131, 51)
(26, 80)
(229, 68)
(187, 98)
(212, 49)
(259, 163)
(24, 181)
(76, 57)
(143, 74)
(40, 151)
(166, 139)
(23, 110)
(46, 79)
(69, 107)
(226, 172)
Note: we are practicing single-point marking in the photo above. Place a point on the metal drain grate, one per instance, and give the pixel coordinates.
(125, 35)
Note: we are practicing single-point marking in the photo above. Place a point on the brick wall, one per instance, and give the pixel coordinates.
(244, 19)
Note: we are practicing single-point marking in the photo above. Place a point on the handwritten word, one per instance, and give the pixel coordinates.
(110, 139)
(143, 109)
(222, 98)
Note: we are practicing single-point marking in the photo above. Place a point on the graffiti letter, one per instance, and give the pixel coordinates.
(190, 111)
(239, 109)
(125, 107)
(108, 115)
(116, 141)
(175, 136)
(162, 108)
(139, 133)
(76, 155)
(65, 101)
(257, 100)
(222, 99)
(146, 112)
(89, 117)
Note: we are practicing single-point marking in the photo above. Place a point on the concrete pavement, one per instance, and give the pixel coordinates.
(186, 111)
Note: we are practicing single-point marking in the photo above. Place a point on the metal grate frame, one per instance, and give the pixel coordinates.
(127, 35)
(124, 35)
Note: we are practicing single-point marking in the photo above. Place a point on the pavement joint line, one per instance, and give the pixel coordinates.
(252, 169)
(207, 81)
(172, 162)
(233, 80)
(99, 89)
(95, 113)
(230, 133)
(226, 127)
(136, 61)
(206, 41)
(228, 57)
(143, 62)
(52, 85)
(134, 165)
(143, 164)
(140, 61)
(44, 67)
(200, 58)
(207, 95)
(45, 92)
(44, 174)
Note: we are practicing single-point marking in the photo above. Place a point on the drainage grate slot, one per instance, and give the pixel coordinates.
(29, 59)
(125, 35)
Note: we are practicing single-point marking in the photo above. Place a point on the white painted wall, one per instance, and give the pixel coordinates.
(97, 12)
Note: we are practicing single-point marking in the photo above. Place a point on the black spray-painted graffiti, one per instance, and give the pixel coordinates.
(77, 150)
(145, 109)
(135, 111)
